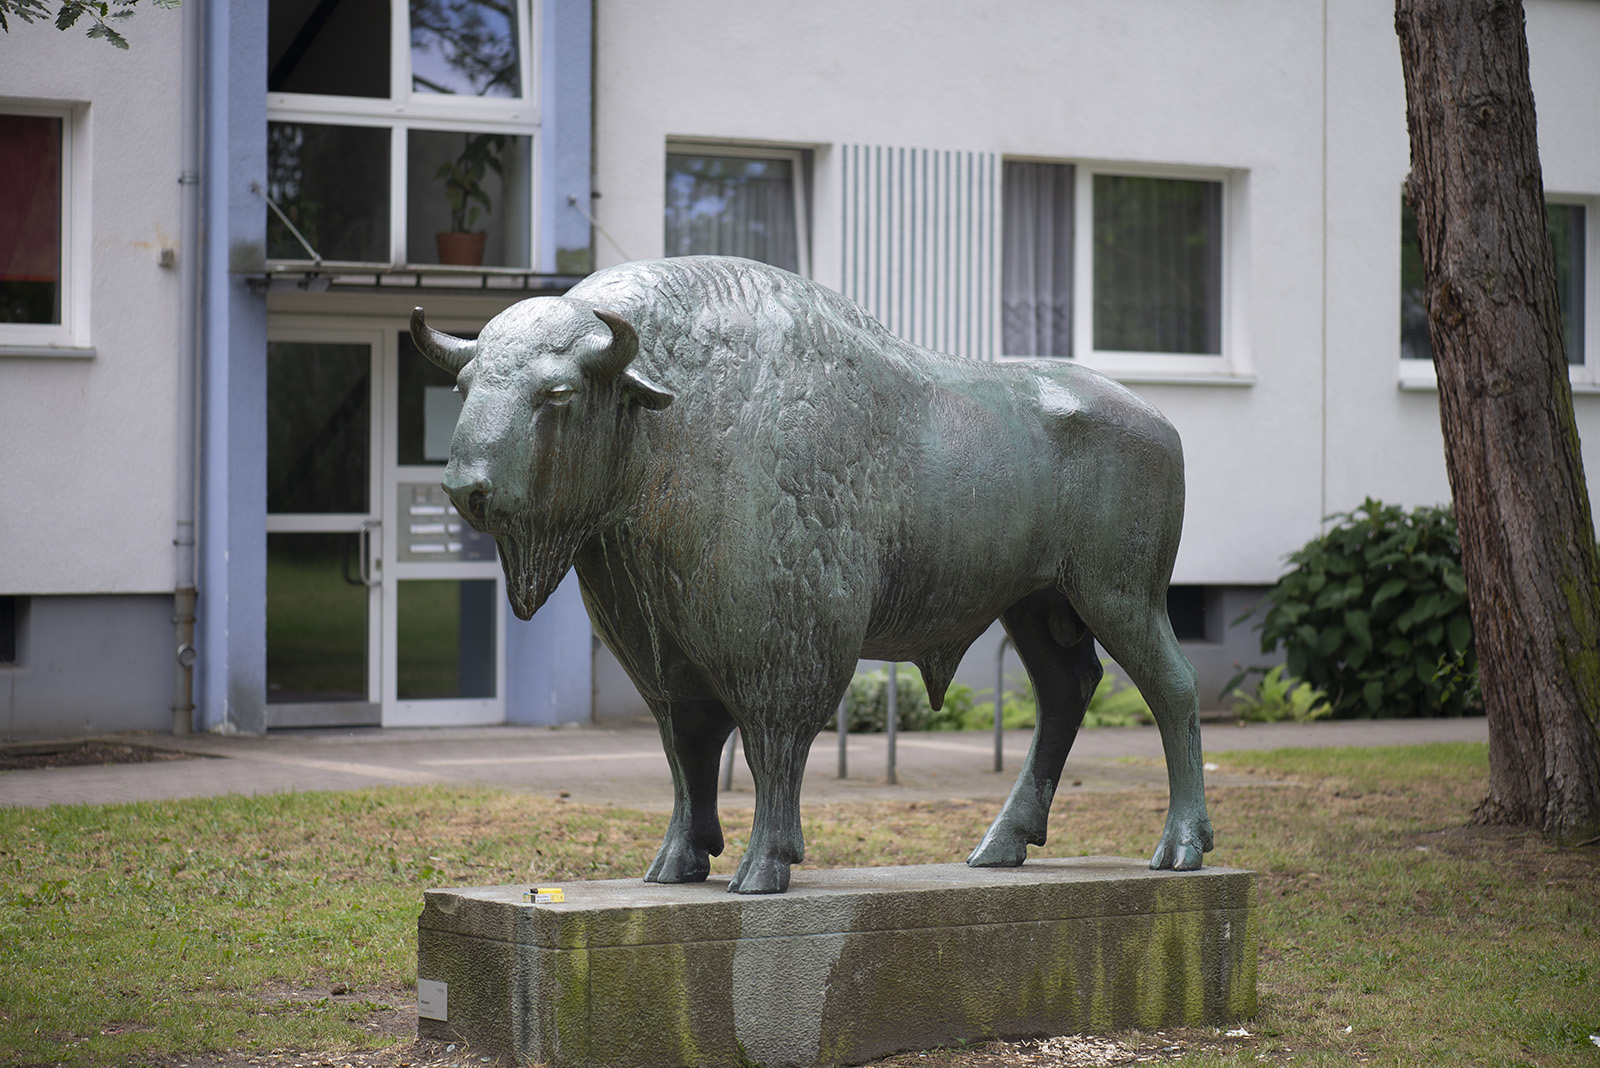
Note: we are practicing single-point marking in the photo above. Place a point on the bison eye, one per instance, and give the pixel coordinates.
(560, 395)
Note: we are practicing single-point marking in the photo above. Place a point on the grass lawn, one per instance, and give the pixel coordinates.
(1390, 933)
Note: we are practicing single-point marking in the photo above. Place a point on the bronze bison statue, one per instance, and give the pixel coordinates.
(759, 485)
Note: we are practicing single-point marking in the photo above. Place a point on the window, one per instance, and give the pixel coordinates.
(8, 630)
(1568, 223)
(737, 202)
(1036, 276)
(41, 307)
(406, 148)
(1125, 270)
(1195, 613)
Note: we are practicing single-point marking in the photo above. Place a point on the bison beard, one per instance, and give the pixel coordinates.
(535, 562)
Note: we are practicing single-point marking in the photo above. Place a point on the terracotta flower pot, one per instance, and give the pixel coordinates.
(463, 250)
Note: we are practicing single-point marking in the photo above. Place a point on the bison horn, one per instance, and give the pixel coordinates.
(451, 353)
(610, 361)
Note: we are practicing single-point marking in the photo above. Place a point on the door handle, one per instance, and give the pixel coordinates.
(370, 565)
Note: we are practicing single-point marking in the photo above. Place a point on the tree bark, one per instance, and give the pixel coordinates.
(1511, 442)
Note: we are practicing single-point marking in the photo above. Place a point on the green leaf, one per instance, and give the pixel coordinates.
(1390, 589)
(1460, 634)
(1355, 622)
(1296, 661)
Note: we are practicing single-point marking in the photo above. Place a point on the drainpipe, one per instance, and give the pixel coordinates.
(183, 597)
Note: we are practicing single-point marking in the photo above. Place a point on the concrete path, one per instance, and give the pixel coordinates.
(624, 764)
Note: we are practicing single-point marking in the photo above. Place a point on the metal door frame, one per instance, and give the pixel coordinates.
(383, 524)
(368, 524)
(430, 712)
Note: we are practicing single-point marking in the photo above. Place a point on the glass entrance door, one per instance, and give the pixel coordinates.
(324, 543)
(445, 643)
(383, 605)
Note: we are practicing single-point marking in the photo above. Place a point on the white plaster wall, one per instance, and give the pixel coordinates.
(1383, 441)
(1306, 100)
(87, 489)
(1233, 86)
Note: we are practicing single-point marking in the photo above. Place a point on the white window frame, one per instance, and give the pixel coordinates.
(69, 337)
(746, 150)
(404, 110)
(1232, 364)
(1585, 377)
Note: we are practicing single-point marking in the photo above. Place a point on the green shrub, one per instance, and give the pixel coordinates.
(867, 703)
(1375, 614)
(1108, 707)
(1280, 698)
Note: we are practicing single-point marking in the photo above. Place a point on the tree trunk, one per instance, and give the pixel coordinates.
(1511, 442)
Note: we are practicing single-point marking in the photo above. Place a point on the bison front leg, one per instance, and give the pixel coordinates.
(1064, 678)
(777, 759)
(693, 734)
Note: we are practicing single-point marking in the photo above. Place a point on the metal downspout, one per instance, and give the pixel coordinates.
(188, 466)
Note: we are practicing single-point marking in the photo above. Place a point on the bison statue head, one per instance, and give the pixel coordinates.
(538, 450)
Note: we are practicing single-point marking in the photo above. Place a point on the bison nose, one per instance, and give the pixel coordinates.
(471, 496)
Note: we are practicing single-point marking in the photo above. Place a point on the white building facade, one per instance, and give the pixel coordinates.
(1201, 200)
(203, 392)
(222, 504)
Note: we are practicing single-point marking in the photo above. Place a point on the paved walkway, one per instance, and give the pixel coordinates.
(624, 764)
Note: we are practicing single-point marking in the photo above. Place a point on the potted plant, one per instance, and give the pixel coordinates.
(463, 190)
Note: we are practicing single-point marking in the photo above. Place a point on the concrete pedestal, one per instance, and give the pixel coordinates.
(849, 965)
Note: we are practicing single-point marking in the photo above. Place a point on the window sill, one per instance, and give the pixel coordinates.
(62, 352)
(1423, 380)
(1174, 378)
(1213, 373)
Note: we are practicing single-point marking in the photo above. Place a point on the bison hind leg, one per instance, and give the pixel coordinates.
(1138, 634)
(1053, 644)
(692, 733)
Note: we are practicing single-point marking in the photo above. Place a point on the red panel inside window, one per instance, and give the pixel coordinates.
(30, 198)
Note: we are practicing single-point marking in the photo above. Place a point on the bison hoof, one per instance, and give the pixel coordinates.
(679, 865)
(766, 877)
(1001, 847)
(1183, 844)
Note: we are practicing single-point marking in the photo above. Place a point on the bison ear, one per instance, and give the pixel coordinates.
(637, 389)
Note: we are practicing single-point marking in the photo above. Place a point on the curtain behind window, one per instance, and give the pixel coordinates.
(30, 219)
(1157, 265)
(732, 206)
(1036, 272)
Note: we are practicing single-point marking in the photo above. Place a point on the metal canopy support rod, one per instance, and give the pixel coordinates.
(316, 257)
(889, 720)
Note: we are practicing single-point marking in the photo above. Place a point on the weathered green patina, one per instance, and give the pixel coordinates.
(851, 964)
(758, 485)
